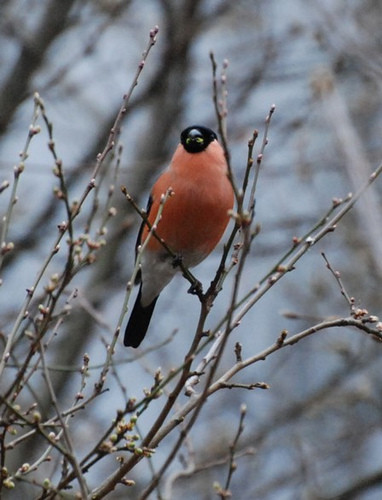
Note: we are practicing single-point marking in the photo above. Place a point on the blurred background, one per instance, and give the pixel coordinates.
(317, 432)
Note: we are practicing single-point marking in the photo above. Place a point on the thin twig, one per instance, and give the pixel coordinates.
(220, 105)
(337, 276)
(70, 455)
(33, 130)
(232, 448)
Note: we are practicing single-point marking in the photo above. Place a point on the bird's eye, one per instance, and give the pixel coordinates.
(198, 140)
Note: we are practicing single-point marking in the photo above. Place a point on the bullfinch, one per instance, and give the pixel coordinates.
(192, 222)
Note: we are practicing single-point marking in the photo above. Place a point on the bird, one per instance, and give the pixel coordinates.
(192, 221)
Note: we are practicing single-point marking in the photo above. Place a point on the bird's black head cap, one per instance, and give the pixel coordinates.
(196, 138)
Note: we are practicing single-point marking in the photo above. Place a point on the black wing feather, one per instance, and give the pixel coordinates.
(139, 322)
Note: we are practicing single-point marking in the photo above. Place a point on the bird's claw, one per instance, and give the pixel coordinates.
(196, 288)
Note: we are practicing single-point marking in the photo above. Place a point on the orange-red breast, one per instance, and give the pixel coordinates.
(193, 220)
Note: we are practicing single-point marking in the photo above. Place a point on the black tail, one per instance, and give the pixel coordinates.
(139, 322)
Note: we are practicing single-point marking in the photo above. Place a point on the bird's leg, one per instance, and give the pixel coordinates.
(196, 286)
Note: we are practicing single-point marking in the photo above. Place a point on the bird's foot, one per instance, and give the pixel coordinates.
(196, 288)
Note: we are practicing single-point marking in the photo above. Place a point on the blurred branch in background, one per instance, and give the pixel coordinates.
(355, 162)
